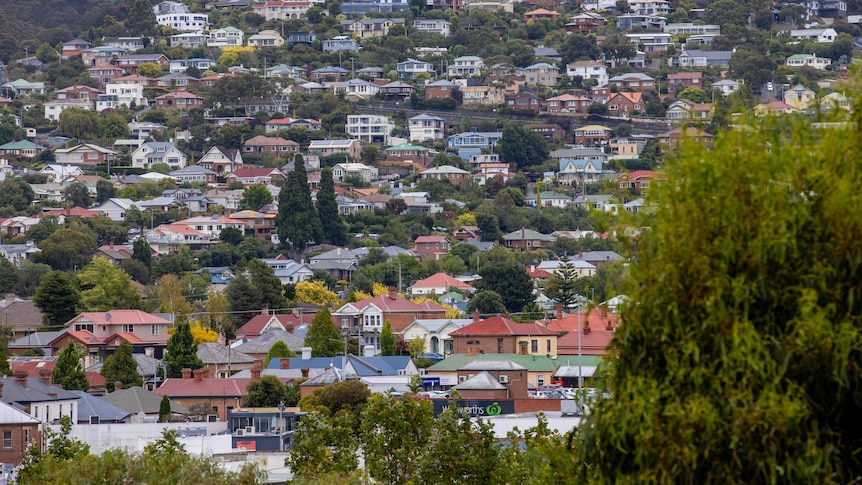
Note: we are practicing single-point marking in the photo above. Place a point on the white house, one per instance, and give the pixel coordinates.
(466, 66)
(589, 70)
(57, 173)
(726, 86)
(280, 10)
(342, 170)
(226, 37)
(289, 271)
(435, 332)
(411, 67)
(54, 107)
(549, 199)
(810, 60)
(115, 208)
(179, 18)
(117, 95)
(425, 128)
(432, 26)
(822, 36)
(266, 38)
(649, 7)
(581, 268)
(151, 153)
(356, 87)
(201, 64)
(370, 128)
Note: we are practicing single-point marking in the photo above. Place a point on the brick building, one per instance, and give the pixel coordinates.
(203, 395)
(492, 379)
(501, 335)
(18, 429)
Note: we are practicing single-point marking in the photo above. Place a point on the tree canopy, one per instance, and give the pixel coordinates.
(122, 367)
(69, 373)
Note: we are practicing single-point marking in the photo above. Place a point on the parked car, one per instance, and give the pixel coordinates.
(430, 356)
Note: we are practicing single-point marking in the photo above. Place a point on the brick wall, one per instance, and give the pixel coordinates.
(472, 344)
(18, 446)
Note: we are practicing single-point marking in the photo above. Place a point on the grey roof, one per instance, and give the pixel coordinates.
(331, 376)
(147, 366)
(481, 382)
(500, 364)
(90, 405)
(262, 344)
(709, 55)
(36, 391)
(36, 339)
(577, 153)
(573, 370)
(435, 324)
(216, 353)
(139, 400)
(281, 374)
(528, 234)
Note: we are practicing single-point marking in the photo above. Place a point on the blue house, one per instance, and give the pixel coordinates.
(477, 139)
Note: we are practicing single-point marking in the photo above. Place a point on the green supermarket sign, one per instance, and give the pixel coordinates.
(475, 408)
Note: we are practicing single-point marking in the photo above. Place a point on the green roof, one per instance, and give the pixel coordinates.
(406, 146)
(800, 56)
(17, 145)
(528, 234)
(533, 363)
(548, 195)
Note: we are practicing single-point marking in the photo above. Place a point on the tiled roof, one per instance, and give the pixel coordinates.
(441, 279)
(89, 405)
(139, 400)
(257, 324)
(21, 313)
(502, 326)
(117, 317)
(262, 344)
(206, 387)
(216, 353)
(533, 363)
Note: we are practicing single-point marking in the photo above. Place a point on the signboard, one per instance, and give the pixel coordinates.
(430, 381)
(248, 445)
(476, 409)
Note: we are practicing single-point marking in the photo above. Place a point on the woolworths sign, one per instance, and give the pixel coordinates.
(476, 409)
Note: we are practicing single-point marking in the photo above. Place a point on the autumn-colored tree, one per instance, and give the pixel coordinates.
(202, 334)
(314, 292)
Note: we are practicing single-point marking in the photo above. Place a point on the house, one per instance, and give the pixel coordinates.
(282, 10)
(179, 66)
(179, 100)
(274, 145)
(130, 62)
(669, 141)
(54, 107)
(822, 36)
(627, 22)
(74, 48)
(548, 199)
(260, 225)
(95, 410)
(501, 335)
(701, 59)
(477, 139)
(581, 166)
(491, 5)
(434, 333)
(685, 109)
(21, 317)
(301, 37)
(102, 55)
(114, 208)
(465, 66)
(635, 81)
(773, 108)
(639, 179)
(267, 38)
(541, 14)
(431, 247)
(585, 23)
(143, 405)
(725, 86)
(259, 324)
(342, 171)
(323, 148)
(22, 87)
(413, 154)
(258, 347)
(194, 173)
(84, 154)
(85, 93)
(541, 74)
(650, 7)
(438, 284)
(454, 175)
(130, 43)
(21, 149)
(251, 176)
(432, 26)
(226, 37)
(835, 100)
(188, 40)
(204, 395)
(687, 29)
(356, 88)
(104, 73)
(411, 67)
(625, 104)
(179, 18)
(538, 369)
(809, 60)
(370, 128)
(153, 152)
(588, 70)
(396, 89)
(221, 160)
(367, 28)
(441, 89)
(340, 43)
(118, 95)
(569, 103)
(19, 427)
(528, 239)
(482, 95)
(678, 81)
(211, 225)
(827, 8)
(596, 327)
(524, 100)
(592, 135)
(367, 316)
(133, 325)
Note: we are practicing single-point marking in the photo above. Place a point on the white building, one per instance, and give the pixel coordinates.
(226, 37)
(593, 5)
(432, 26)
(411, 67)
(424, 128)
(589, 70)
(266, 38)
(466, 66)
(54, 107)
(151, 153)
(179, 18)
(342, 170)
(117, 95)
(811, 60)
(688, 28)
(650, 7)
(279, 10)
(823, 36)
(370, 128)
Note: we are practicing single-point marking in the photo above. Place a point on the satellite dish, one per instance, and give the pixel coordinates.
(107, 316)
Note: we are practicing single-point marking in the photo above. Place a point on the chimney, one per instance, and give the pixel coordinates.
(306, 353)
(586, 327)
(256, 369)
(199, 375)
(475, 315)
(289, 328)
(304, 372)
(580, 255)
(45, 376)
(368, 351)
(393, 293)
(604, 311)
(10, 298)
(559, 311)
(1, 388)
(187, 373)
(118, 386)
(284, 363)
(21, 378)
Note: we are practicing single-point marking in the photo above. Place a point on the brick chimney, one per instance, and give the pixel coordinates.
(10, 298)
(580, 255)
(304, 372)
(586, 327)
(199, 374)
(1, 388)
(21, 378)
(289, 328)
(475, 315)
(393, 293)
(256, 369)
(284, 363)
(559, 311)
(45, 376)
(118, 386)
(187, 373)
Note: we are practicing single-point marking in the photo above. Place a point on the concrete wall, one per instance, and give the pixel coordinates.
(134, 437)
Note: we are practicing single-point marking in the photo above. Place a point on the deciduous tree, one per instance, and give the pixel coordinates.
(323, 337)
(254, 197)
(66, 249)
(278, 350)
(387, 339)
(105, 287)
(265, 392)
(69, 373)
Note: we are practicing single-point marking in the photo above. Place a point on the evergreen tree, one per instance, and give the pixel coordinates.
(69, 373)
(8, 275)
(265, 392)
(509, 280)
(243, 299)
(105, 287)
(323, 336)
(387, 339)
(266, 285)
(58, 298)
(164, 409)
(182, 352)
(334, 231)
(561, 287)
(5, 335)
(121, 366)
(279, 350)
(142, 252)
(104, 191)
(297, 219)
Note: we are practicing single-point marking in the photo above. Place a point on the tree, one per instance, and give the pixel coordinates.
(46, 53)
(452, 264)
(561, 287)
(164, 409)
(68, 373)
(15, 194)
(323, 446)
(580, 48)
(182, 352)
(58, 298)
(8, 275)
(522, 147)
(314, 292)
(387, 339)
(60, 450)
(5, 336)
(141, 19)
(169, 295)
(394, 434)
(105, 287)
(396, 205)
(489, 227)
(231, 235)
(755, 69)
(297, 221)
(618, 48)
(77, 194)
(266, 285)
(254, 197)
(112, 126)
(217, 307)
(121, 366)
(333, 228)
(324, 338)
(149, 69)
(742, 363)
(142, 252)
(202, 335)
(462, 450)
(243, 300)
(726, 13)
(486, 302)
(104, 191)
(509, 280)
(278, 350)
(265, 392)
(78, 122)
(66, 249)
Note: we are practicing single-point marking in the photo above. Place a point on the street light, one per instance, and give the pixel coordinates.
(281, 408)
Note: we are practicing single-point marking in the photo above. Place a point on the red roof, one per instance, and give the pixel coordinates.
(639, 174)
(538, 273)
(388, 303)
(73, 212)
(117, 317)
(442, 280)
(206, 387)
(502, 326)
(258, 324)
(128, 337)
(594, 318)
(430, 239)
(82, 336)
(252, 172)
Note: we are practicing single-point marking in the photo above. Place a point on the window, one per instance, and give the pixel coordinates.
(26, 436)
(154, 329)
(128, 328)
(540, 379)
(84, 326)
(534, 346)
(549, 345)
(7, 439)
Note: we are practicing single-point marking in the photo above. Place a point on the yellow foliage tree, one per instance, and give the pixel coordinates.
(451, 311)
(465, 219)
(202, 334)
(357, 295)
(230, 55)
(379, 289)
(170, 295)
(315, 292)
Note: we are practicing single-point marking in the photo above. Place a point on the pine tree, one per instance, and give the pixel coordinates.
(387, 339)
(561, 287)
(279, 350)
(58, 298)
(334, 231)
(244, 300)
(182, 352)
(121, 367)
(69, 373)
(142, 252)
(297, 219)
(323, 336)
(164, 409)
(266, 285)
